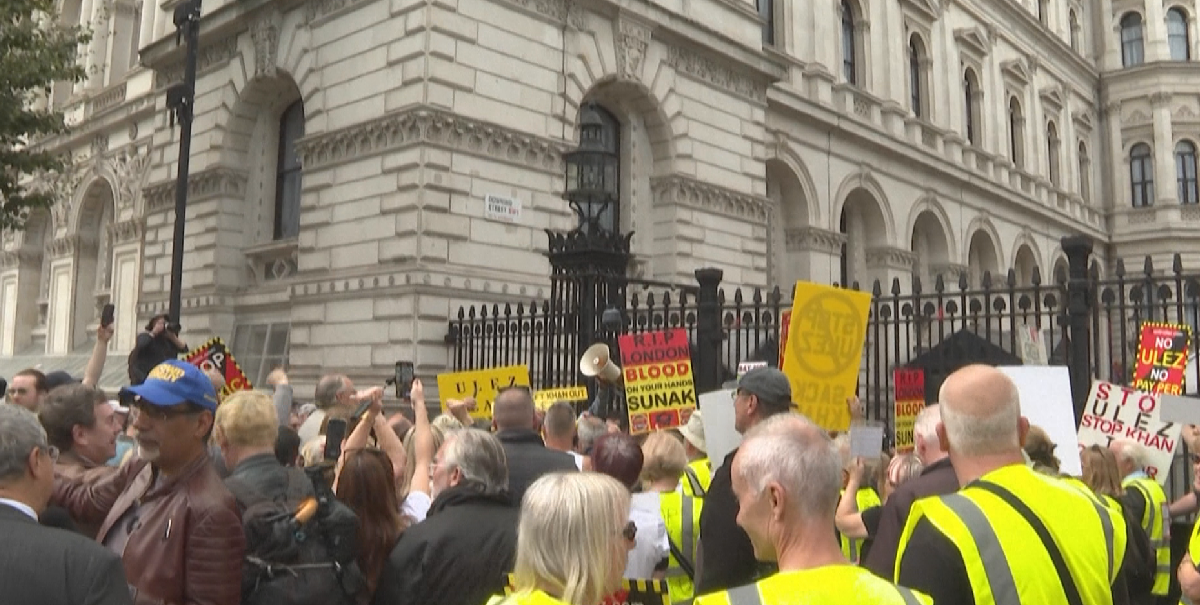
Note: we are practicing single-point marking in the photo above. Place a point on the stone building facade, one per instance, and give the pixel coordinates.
(345, 152)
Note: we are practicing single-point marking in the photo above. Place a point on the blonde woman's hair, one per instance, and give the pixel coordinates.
(247, 419)
(410, 458)
(1100, 471)
(665, 458)
(570, 523)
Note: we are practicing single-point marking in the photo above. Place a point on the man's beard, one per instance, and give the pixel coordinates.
(147, 453)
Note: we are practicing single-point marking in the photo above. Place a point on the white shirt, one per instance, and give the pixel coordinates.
(21, 506)
(311, 428)
(645, 511)
(416, 505)
(578, 460)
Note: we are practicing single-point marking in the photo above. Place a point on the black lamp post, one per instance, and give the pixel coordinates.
(181, 100)
(593, 173)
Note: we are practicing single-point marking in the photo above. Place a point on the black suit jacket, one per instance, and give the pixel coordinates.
(529, 459)
(45, 566)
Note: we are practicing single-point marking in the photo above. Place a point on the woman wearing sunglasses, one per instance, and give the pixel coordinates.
(593, 511)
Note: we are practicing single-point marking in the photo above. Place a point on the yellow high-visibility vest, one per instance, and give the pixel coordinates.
(1156, 521)
(828, 585)
(865, 498)
(535, 597)
(696, 478)
(681, 513)
(1006, 560)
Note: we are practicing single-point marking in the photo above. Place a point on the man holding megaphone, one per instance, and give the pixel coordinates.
(609, 402)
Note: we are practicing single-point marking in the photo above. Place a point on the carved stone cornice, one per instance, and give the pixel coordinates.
(126, 231)
(712, 71)
(15, 258)
(633, 40)
(950, 272)
(813, 239)
(425, 126)
(64, 246)
(130, 168)
(264, 32)
(890, 258)
(61, 186)
(208, 183)
(212, 55)
(687, 191)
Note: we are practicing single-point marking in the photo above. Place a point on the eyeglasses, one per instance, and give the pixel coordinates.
(629, 532)
(163, 413)
(50, 451)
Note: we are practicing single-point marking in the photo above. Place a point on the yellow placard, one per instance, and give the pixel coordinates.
(824, 351)
(483, 385)
(548, 397)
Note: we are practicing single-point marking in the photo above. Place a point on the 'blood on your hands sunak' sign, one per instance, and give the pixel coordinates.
(659, 390)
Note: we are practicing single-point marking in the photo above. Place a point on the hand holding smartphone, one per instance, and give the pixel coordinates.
(404, 379)
(107, 315)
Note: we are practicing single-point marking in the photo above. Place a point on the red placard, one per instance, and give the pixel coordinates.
(1162, 358)
(659, 390)
(785, 323)
(909, 387)
(214, 355)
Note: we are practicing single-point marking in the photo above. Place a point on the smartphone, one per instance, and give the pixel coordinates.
(107, 315)
(335, 434)
(404, 379)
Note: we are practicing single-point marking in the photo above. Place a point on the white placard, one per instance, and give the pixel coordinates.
(866, 442)
(1045, 393)
(746, 366)
(1113, 411)
(1175, 408)
(504, 209)
(716, 408)
(1032, 346)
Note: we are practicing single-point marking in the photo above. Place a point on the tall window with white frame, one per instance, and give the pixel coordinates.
(766, 12)
(1076, 31)
(288, 173)
(1141, 176)
(1085, 173)
(850, 66)
(1044, 12)
(1185, 171)
(1016, 132)
(916, 76)
(1177, 35)
(972, 106)
(1133, 50)
(1053, 150)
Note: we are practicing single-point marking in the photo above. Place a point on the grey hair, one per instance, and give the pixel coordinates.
(792, 451)
(1132, 451)
(588, 431)
(925, 426)
(995, 433)
(328, 387)
(20, 433)
(480, 457)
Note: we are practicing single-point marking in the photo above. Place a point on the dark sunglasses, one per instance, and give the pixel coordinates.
(164, 414)
(630, 531)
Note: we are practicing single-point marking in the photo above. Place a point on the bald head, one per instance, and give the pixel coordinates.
(514, 409)
(981, 412)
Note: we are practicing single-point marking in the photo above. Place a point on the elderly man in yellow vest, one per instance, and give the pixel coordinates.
(1146, 501)
(786, 476)
(1011, 535)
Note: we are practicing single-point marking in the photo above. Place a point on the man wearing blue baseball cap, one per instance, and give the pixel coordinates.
(166, 513)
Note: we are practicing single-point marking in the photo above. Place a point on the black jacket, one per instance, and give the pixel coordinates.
(44, 566)
(459, 555)
(937, 479)
(529, 459)
(726, 554)
(149, 351)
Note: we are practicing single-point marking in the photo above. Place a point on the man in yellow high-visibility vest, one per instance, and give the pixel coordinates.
(698, 474)
(786, 476)
(1146, 502)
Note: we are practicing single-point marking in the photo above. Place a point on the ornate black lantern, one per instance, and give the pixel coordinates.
(592, 174)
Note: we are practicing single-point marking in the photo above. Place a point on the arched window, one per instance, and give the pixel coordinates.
(1177, 35)
(1085, 172)
(849, 43)
(972, 101)
(288, 173)
(1185, 172)
(1076, 32)
(1141, 176)
(1132, 48)
(1016, 133)
(1053, 147)
(916, 76)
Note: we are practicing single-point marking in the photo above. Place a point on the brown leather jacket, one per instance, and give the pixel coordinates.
(77, 468)
(188, 544)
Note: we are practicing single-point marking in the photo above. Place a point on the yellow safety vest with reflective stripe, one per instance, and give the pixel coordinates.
(681, 513)
(1156, 521)
(696, 478)
(864, 499)
(1193, 551)
(828, 585)
(1006, 561)
(535, 597)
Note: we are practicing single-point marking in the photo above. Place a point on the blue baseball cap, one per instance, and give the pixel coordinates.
(173, 382)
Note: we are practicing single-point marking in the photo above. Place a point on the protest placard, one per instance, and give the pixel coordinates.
(215, 356)
(545, 398)
(785, 324)
(824, 351)
(1113, 411)
(483, 385)
(659, 391)
(746, 366)
(1162, 358)
(909, 386)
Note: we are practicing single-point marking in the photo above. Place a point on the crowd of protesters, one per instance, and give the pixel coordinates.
(166, 494)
